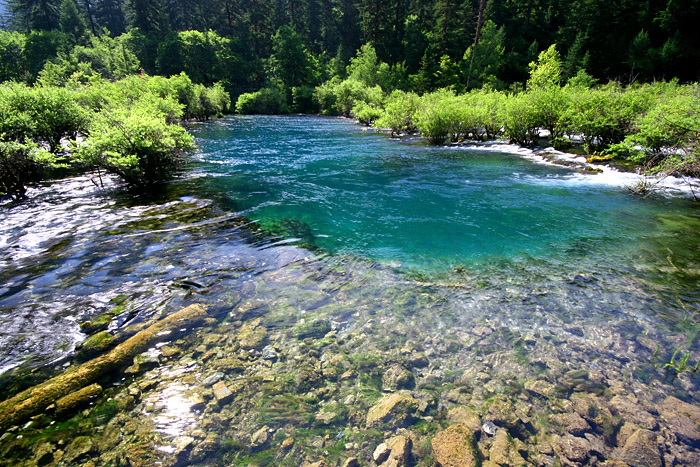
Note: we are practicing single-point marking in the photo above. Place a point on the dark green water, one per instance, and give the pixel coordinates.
(350, 255)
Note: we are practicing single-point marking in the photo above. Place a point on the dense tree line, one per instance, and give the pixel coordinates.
(436, 42)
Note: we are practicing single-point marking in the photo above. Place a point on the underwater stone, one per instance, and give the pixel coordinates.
(504, 452)
(260, 437)
(683, 419)
(222, 393)
(287, 443)
(540, 387)
(397, 377)
(394, 409)
(572, 447)
(641, 449)
(453, 447)
(269, 353)
(209, 380)
(399, 452)
(381, 452)
(467, 417)
(572, 423)
(489, 428)
(80, 446)
(351, 462)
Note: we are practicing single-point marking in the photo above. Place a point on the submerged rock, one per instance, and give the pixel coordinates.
(504, 452)
(80, 446)
(222, 393)
(453, 447)
(260, 438)
(469, 418)
(397, 377)
(683, 419)
(394, 409)
(641, 449)
(399, 450)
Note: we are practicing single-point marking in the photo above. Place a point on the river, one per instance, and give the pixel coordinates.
(340, 265)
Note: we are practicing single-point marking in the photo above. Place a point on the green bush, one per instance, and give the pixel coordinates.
(433, 117)
(339, 97)
(269, 101)
(520, 120)
(399, 110)
(20, 164)
(366, 113)
(303, 100)
(135, 143)
(41, 114)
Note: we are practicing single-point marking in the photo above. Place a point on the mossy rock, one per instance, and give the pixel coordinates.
(97, 343)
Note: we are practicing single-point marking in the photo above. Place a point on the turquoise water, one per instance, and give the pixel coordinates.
(348, 190)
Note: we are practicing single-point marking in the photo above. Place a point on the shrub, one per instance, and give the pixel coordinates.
(399, 110)
(20, 164)
(520, 120)
(135, 143)
(366, 113)
(41, 114)
(270, 100)
(433, 117)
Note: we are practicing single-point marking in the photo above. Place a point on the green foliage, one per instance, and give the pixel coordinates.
(109, 57)
(42, 46)
(483, 63)
(303, 100)
(206, 57)
(339, 97)
(549, 107)
(291, 61)
(270, 100)
(670, 132)
(399, 110)
(13, 65)
(605, 116)
(364, 67)
(71, 23)
(547, 71)
(366, 113)
(135, 143)
(520, 120)
(20, 164)
(40, 114)
(433, 118)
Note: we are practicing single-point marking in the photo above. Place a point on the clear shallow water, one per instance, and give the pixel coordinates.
(475, 271)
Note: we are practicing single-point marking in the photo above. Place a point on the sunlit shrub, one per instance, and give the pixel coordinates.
(271, 100)
(135, 143)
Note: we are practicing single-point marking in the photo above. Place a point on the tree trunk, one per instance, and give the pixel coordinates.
(36, 399)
